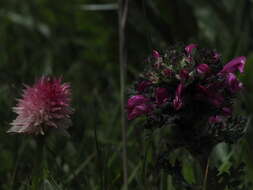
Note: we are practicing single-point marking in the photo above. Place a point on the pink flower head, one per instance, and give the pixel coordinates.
(190, 48)
(161, 95)
(215, 119)
(203, 69)
(43, 106)
(143, 85)
(179, 90)
(237, 63)
(136, 100)
(156, 54)
(177, 102)
(158, 59)
(167, 72)
(233, 83)
(216, 56)
(184, 74)
(137, 105)
(138, 110)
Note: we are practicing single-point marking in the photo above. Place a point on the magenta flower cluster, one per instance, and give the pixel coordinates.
(184, 77)
(44, 106)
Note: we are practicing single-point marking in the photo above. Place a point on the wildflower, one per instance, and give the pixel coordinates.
(137, 105)
(143, 85)
(216, 56)
(152, 76)
(177, 102)
(138, 110)
(179, 90)
(161, 95)
(192, 95)
(234, 65)
(43, 106)
(202, 69)
(190, 48)
(158, 59)
(167, 72)
(136, 100)
(233, 83)
(184, 74)
(156, 54)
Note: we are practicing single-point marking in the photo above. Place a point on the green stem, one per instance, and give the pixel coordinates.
(122, 17)
(206, 174)
(38, 173)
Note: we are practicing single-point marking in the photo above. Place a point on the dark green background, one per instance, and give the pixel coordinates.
(59, 38)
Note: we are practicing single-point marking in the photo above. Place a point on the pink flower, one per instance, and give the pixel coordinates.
(190, 48)
(143, 85)
(184, 74)
(136, 100)
(161, 95)
(215, 119)
(43, 106)
(179, 90)
(138, 110)
(158, 59)
(137, 105)
(233, 83)
(156, 54)
(177, 102)
(202, 69)
(234, 65)
(167, 72)
(216, 56)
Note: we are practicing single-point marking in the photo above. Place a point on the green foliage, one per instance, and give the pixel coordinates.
(59, 38)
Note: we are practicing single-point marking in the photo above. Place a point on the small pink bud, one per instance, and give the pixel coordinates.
(143, 85)
(138, 105)
(167, 72)
(190, 48)
(233, 83)
(237, 63)
(202, 69)
(156, 54)
(184, 74)
(216, 56)
(177, 102)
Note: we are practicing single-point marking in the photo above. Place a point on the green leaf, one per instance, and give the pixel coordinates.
(188, 170)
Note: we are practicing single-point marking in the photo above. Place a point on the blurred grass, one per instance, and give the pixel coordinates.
(58, 38)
